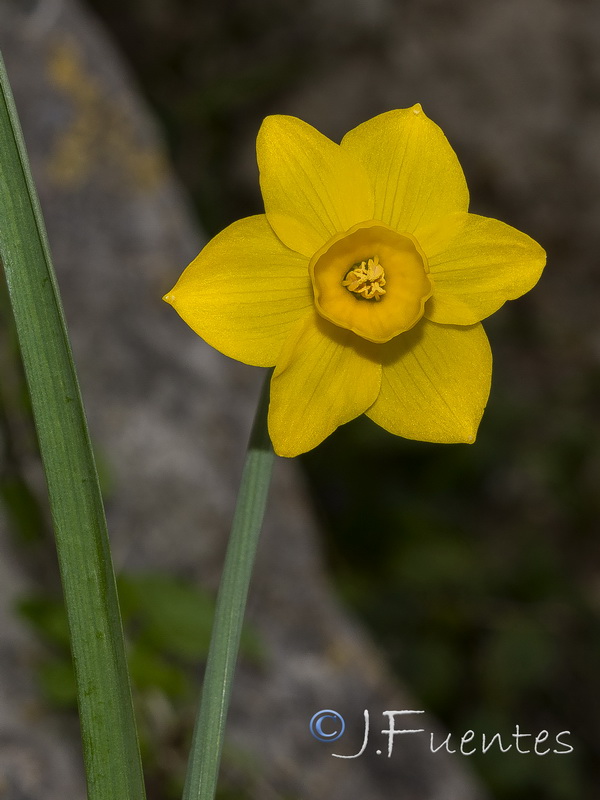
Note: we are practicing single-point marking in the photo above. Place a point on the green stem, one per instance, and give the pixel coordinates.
(111, 752)
(203, 767)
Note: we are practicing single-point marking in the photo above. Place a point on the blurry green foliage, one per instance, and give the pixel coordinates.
(23, 512)
(167, 623)
(167, 615)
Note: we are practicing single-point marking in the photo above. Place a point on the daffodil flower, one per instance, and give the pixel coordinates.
(364, 283)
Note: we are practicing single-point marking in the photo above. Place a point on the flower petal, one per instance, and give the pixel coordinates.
(477, 264)
(245, 292)
(325, 376)
(435, 383)
(415, 173)
(312, 188)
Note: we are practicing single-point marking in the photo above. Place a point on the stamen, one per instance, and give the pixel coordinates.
(366, 279)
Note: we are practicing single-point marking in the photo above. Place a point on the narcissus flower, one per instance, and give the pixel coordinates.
(364, 283)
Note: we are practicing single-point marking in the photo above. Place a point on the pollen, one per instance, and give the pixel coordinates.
(366, 279)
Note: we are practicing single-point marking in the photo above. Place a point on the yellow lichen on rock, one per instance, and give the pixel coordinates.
(100, 135)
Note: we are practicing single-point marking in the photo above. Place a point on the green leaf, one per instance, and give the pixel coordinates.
(209, 732)
(110, 746)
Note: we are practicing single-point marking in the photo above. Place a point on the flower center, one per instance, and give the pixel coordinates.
(366, 279)
(371, 262)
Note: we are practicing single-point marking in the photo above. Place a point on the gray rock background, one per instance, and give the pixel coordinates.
(169, 417)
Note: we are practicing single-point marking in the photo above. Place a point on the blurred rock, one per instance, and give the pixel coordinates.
(170, 418)
(39, 756)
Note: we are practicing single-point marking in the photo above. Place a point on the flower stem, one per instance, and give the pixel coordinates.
(110, 747)
(207, 744)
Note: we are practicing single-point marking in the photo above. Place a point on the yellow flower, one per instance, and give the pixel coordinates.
(364, 283)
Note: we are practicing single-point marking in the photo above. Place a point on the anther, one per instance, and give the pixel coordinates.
(366, 279)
